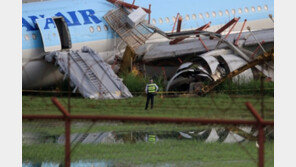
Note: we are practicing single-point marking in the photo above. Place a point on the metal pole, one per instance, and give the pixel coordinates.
(270, 16)
(69, 86)
(66, 116)
(240, 33)
(149, 14)
(179, 24)
(249, 28)
(203, 44)
(231, 28)
(261, 146)
(260, 134)
(262, 92)
(67, 142)
(256, 50)
(175, 22)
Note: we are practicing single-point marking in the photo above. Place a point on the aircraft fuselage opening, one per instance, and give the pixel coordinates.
(63, 32)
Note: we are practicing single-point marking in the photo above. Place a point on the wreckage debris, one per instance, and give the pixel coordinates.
(210, 67)
(89, 74)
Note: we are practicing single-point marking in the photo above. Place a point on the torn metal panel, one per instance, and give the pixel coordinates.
(234, 62)
(184, 66)
(217, 52)
(209, 67)
(175, 76)
(267, 70)
(187, 76)
(266, 35)
(163, 50)
(233, 138)
(89, 74)
(212, 63)
(213, 136)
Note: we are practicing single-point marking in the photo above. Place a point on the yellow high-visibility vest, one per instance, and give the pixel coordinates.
(151, 88)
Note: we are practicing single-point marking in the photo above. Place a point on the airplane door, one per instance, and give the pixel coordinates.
(49, 33)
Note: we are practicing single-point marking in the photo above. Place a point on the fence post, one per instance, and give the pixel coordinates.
(67, 142)
(260, 123)
(261, 145)
(260, 134)
(67, 131)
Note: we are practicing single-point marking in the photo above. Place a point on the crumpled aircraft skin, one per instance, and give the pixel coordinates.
(208, 67)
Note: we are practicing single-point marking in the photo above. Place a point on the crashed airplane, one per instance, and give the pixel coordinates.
(203, 42)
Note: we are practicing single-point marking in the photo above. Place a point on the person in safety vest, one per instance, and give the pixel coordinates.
(150, 90)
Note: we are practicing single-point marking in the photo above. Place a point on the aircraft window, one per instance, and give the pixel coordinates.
(233, 11)
(259, 8)
(160, 20)
(187, 17)
(253, 9)
(265, 7)
(99, 28)
(91, 29)
(105, 28)
(34, 36)
(200, 15)
(193, 16)
(174, 18)
(153, 21)
(27, 37)
(227, 12)
(246, 10)
(214, 14)
(240, 10)
(207, 14)
(167, 19)
(220, 13)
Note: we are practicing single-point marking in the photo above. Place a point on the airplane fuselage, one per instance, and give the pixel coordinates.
(87, 26)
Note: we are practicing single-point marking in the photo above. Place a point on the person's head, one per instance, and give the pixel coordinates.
(151, 80)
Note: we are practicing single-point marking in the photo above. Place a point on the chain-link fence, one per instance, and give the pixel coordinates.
(126, 142)
(101, 143)
(173, 104)
(43, 142)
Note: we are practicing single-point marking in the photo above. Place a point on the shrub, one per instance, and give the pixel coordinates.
(135, 83)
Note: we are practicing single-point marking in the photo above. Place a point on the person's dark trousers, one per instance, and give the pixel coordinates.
(150, 96)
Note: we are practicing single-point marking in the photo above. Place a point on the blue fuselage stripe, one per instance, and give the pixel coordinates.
(84, 16)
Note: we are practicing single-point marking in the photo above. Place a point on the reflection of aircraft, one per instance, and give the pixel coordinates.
(71, 24)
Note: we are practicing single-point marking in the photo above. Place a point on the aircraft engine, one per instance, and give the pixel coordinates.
(206, 68)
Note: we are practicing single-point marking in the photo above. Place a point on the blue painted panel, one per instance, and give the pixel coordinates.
(81, 15)
(50, 35)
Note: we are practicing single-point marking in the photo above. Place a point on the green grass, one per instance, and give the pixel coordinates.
(252, 87)
(179, 152)
(172, 151)
(218, 106)
(211, 106)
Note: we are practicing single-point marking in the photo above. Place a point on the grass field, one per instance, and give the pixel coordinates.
(177, 152)
(166, 152)
(211, 106)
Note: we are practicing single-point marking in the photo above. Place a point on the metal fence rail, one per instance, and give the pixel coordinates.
(67, 118)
